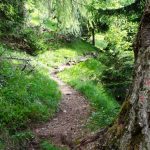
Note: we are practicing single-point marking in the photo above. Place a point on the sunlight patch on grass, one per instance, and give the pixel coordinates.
(64, 53)
(57, 57)
(100, 42)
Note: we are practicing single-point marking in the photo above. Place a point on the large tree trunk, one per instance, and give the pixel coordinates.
(131, 131)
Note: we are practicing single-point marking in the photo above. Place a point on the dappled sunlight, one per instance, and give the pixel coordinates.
(66, 68)
(100, 41)
(63, 54)
(91, 69)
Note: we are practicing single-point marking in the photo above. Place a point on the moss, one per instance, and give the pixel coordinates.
(119, 126)
(117, 129)
(124, 113)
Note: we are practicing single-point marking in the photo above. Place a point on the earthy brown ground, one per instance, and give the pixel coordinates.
(67, 128)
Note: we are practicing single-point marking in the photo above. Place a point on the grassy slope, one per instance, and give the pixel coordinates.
(25, 97)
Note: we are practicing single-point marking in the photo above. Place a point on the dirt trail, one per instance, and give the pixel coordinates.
(68, 125)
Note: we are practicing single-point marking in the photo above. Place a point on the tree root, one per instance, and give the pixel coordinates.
(91, 138)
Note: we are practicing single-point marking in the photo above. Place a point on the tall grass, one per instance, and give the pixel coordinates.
(25, 96)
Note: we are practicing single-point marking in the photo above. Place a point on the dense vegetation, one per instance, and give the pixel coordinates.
(38, 36)
(27, 94)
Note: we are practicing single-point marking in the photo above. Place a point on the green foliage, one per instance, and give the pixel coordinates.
(70, 19)
(26, 96)
(64, 52)
(111, 3)
(85, 78)
(47, 146)
(117, 76)
(14, 29)
(34, 40)
(100, 41)
(50, 24)
(118, 57)
(29, 96)
(11, 15)
(19, 140)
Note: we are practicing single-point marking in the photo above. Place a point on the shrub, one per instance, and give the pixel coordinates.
(34, 40)
(117, 76)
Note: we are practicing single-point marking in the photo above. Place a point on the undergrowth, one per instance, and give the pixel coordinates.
(117, 76)
(46, 145)
(27, 94)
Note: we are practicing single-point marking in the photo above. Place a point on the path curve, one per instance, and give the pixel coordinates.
(67, 128)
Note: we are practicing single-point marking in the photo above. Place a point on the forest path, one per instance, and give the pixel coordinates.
(68, 125)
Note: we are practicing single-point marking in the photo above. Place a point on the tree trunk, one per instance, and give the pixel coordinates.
(93, 33)
(93, 36)
(131, 131)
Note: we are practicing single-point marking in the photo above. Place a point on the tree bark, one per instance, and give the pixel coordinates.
(131, 131)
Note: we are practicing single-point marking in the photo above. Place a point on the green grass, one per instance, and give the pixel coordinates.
(64, 53)
(100, 42)
(85, 77)
(45, 145)
(25, 97)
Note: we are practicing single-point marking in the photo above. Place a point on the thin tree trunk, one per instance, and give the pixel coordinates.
(93, 34)
(131, 131)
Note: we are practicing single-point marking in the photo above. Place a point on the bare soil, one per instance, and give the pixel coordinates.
(67, 128)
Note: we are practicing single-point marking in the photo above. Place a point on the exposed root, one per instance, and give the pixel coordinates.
(91, 138)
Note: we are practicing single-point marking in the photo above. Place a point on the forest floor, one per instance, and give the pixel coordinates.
(67, 127)
(48, 123)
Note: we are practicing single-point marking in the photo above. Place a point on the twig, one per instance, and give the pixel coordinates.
(24, 67)
(31, 70)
